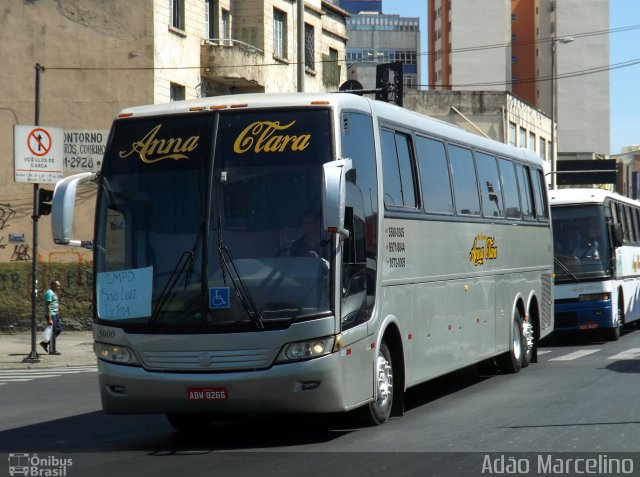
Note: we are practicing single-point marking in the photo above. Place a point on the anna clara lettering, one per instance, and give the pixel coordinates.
(261, 136)
(151, 149)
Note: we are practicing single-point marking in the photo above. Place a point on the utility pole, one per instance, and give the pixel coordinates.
(300, 46)
(33, 356)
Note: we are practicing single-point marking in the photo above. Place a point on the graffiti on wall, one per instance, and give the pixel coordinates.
(21, 253)
(6, 214)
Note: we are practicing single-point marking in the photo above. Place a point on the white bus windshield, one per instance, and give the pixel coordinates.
(233, 243)
(581, 247)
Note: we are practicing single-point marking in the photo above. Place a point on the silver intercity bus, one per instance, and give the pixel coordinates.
(306, 253)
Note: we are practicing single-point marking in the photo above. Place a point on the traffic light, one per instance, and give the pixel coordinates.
(44, 201)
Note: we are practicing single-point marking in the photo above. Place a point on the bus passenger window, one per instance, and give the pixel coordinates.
(398, 179)
(525, 192)
(542, 207)
(434, 175)
(489, 185)
(465, 185)
(510, 189)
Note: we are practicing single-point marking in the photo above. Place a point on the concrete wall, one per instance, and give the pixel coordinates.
(94, 67)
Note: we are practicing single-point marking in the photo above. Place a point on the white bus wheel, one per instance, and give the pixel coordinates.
(511, 361)
(378, 411)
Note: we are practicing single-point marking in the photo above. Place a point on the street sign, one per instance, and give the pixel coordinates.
(38, 154)
(84, 149)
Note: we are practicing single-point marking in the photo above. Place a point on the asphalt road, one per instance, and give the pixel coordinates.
(581, 399)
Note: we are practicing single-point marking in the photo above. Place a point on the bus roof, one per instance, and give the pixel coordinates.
(586, 196)
(389, 112)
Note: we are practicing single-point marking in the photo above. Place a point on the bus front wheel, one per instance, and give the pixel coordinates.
(378, 411)
(511, 361)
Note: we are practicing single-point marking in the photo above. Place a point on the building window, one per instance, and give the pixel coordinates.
(522, 140)
(279, 34)
(177, 14)
(226, 26)
(211, 18)
(532, 141)
(309, 47)
(177, 92)
(542, 148)
(512, 133)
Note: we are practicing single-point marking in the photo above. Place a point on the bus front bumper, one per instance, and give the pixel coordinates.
(579, 316)
(307, 386)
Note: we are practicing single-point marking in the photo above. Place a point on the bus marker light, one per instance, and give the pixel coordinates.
(235, 106)
(197, 108)
(410, 337)
(125, 115)
(215, 108)
(320, 103)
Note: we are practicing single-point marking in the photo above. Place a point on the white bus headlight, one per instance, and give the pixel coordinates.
(306, 349)
(114, 353)
(594, 297)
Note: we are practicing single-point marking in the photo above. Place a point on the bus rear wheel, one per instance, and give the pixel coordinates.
(378, 411)
(511, 361)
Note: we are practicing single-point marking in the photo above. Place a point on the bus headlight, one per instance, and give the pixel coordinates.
(114, 353)
(306, 349)
(594, 297)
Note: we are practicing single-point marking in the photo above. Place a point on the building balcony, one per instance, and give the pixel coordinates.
(231, 67)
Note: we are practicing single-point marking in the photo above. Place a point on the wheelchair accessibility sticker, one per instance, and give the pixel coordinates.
(218, 297)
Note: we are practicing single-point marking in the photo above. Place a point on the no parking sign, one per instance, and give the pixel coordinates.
(38, 154)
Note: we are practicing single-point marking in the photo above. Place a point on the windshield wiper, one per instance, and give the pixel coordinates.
(185, 262)
(227, 265)
(565, 269)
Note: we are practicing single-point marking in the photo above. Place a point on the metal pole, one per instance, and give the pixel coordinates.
(301, 46)
(33, 356)
(553, 114)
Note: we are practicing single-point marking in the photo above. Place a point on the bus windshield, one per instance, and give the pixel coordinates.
(581, 249)
(214, 222)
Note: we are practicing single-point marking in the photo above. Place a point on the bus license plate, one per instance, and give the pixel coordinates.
(207, 394)
(589, 326)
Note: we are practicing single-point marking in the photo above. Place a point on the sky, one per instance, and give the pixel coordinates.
(624, 46)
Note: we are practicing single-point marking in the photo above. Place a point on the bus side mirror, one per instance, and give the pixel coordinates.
(617, 235)
(62, 209)
(334, 193)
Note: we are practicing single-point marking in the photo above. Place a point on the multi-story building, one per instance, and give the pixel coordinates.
(99, 57)
(543, 51)
(376, 38)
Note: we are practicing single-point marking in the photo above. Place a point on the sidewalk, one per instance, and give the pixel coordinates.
(75, 347)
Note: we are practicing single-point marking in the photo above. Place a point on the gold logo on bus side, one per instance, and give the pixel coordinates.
(484, 248)
(171, 148)
(261, 137)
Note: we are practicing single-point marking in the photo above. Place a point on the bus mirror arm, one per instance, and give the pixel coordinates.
(62, 209)
(334, 193)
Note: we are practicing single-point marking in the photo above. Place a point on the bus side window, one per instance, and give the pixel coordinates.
(525, 192)
(465, 184)
(489, 185)
(510, 188)
(542, 207)
(398, 176)
(434, 176)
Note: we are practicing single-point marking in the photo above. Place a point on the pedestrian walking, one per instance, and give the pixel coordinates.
(51, 315)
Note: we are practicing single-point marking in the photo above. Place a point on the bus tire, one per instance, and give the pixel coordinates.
(613, 334)
(511, 361)
(378, 411)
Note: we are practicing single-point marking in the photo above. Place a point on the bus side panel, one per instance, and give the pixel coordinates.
(454, 326)
(358, 365)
